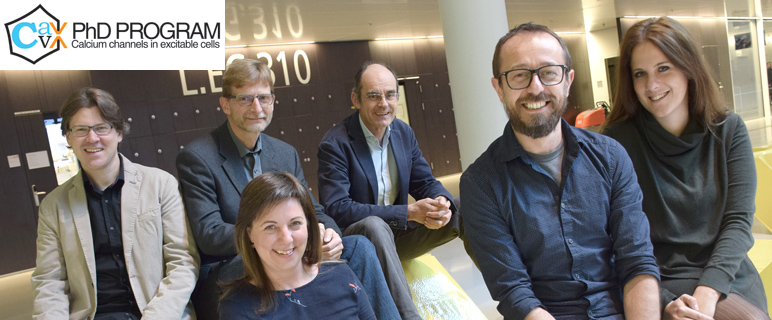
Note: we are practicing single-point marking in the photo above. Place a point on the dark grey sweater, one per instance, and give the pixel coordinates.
(698, 193)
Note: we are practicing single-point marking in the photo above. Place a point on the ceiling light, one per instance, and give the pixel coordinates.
(270, 44)
(407, 38)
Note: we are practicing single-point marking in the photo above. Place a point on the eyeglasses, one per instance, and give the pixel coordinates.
(375, 96)
(549, 75)
(246, 100)
(102, 129)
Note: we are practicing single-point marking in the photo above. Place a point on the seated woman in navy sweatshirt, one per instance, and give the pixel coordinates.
(279, 239)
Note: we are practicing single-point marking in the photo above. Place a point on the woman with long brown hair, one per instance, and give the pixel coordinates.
(278, 237)
(695, 166)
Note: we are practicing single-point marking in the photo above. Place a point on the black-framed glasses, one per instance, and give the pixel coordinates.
(101, 129)
(520, 78)
(375, 96)
(246, 100)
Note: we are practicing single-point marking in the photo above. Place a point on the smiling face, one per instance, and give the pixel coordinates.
(98, 155)
(535, 110)
(248, 121)
(280, 236)
(376, 115)
(660, 86)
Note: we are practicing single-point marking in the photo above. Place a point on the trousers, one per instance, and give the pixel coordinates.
(394, 246)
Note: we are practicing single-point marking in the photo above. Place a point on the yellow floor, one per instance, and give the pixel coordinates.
(436, 295)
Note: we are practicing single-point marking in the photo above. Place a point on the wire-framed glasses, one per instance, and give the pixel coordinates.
(246, 100)
(376, 96)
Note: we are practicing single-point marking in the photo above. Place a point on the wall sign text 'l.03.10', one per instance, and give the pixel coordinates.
(282, 59)
(257, 18)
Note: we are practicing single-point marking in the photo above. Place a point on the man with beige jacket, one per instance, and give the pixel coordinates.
(113, 241)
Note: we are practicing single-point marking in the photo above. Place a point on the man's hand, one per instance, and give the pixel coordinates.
(685, 307)
(332, 245)
(433, 213)
(539, 314)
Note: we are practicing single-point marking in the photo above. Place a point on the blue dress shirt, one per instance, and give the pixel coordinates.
(384, 164)
(567, 248)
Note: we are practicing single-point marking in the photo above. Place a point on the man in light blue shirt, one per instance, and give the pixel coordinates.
(384, 163)
(368, 164)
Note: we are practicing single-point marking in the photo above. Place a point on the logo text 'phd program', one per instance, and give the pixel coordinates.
(35, 35)
(38, 34)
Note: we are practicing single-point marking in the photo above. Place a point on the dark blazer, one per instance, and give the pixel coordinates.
(347, 182)
(212, 177)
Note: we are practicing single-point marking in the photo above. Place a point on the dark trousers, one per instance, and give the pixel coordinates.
(394, 246)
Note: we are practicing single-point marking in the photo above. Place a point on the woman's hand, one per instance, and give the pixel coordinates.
(685, 307)
(707, 298)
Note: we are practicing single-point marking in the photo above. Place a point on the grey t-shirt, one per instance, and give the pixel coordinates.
(551, 162)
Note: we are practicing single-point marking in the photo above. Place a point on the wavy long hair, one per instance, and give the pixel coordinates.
(706, 103)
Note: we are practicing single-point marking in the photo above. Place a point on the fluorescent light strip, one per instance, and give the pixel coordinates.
(270, 44)
(311, 42)
(694, 17)
(570, 32)
(408, 38)
(409, 78)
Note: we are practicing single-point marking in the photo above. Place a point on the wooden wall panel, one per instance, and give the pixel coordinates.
(23, 91)
(56, 87)
(183, 115)
(18, 229)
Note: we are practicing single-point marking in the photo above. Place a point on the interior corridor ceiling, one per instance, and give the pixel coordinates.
(251, 22)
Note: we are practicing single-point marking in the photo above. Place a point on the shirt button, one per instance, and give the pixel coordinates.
(107, 201)
(577, 277)
(570, 241)
(112, 228)
(563, 205)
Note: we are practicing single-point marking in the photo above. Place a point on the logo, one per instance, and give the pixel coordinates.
(35, 35)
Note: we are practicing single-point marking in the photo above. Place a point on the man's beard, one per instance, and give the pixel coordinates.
(540, 125)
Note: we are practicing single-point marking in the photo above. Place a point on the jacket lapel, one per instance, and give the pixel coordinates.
(232, 164)
(129, 207)
(362, 152)
(79, 208)
(401, 157)
(268, 160)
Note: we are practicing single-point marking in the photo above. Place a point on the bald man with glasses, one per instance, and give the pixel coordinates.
(368, 164)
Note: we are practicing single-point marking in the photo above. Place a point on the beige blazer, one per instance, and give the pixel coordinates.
(161, 257)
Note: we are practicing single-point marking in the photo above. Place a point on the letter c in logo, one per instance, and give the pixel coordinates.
(17, 40)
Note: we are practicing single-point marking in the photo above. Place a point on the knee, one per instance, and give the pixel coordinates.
(374, 228)
(358, 245)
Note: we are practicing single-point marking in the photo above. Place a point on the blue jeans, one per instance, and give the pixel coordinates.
(361, 257)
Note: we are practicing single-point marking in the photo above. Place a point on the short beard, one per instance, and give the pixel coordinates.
(541, 125)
